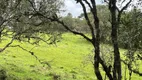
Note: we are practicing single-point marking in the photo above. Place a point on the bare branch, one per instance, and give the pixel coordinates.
(32, 53)
(34, 37)
(125, 5)
(74, 32)
(1, 50)
(133, 70)
(94, 8)
(88, 20)
(8, 44)
(120, 12)
(106, 69)
(88, 5)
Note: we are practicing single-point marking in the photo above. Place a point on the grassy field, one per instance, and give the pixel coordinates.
(69, 59)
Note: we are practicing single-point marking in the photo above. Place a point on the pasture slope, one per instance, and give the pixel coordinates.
(69, 59)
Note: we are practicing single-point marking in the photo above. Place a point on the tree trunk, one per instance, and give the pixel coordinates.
(115, 24)
(96, 65)
(96, 43)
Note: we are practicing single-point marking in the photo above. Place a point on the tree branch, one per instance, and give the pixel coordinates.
(7, 45)
(32, 53)
(74, 32)
(34, 37)
(94, 10)
(88, 5)
(88, 20)
(133, 70)
(106, 69)
(120, 12)
(56, 19)
(125, 6)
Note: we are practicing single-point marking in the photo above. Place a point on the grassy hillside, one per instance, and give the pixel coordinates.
(69, 59)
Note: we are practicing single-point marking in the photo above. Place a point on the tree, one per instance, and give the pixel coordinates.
(116, 13)
(7, 14)
(105, 25)
(31, 16)
(130, 38)
(95, 36)
(95, 40)
(20, 20)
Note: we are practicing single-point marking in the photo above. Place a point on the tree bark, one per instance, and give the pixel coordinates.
(115, 25)
(96, 43)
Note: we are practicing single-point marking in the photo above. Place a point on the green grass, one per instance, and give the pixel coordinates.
(69, 60)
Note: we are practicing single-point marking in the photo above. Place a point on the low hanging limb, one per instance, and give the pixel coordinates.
(29, 51)
(33, 54)
(7, 45)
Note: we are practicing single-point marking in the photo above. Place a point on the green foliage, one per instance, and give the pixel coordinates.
(23, 18)
(69, 20)
(105, 23)
(131, 29)
(130, 37)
